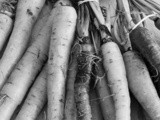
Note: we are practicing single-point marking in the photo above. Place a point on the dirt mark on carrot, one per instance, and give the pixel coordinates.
(29, 12)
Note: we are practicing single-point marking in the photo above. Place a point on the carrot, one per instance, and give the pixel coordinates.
(145, 41)
(36, 98)
(101, 83)
(102, 87)
(113, 63)
(82, 83)
(114, 68)
(25, 72)
(136, 111)
(26, 15)
(41, 20)
(141, 84)
(116, 74)
(63, 30)
(7, 12)
(70, 107)
(85, 61)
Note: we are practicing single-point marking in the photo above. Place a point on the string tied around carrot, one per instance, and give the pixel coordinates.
(142, 20)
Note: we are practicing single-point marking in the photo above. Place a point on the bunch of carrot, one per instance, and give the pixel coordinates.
(79, 60)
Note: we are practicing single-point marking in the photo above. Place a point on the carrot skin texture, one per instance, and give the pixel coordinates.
(141, 84)
(41, 20)
(70, 106)
(116, 75)
(83, 77)
(36, 98)
(63, 30)
(24, 73)
(26, 15)
(143, 40)
(6, 24)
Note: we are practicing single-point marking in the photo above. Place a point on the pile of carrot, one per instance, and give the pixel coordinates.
(79, 60)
